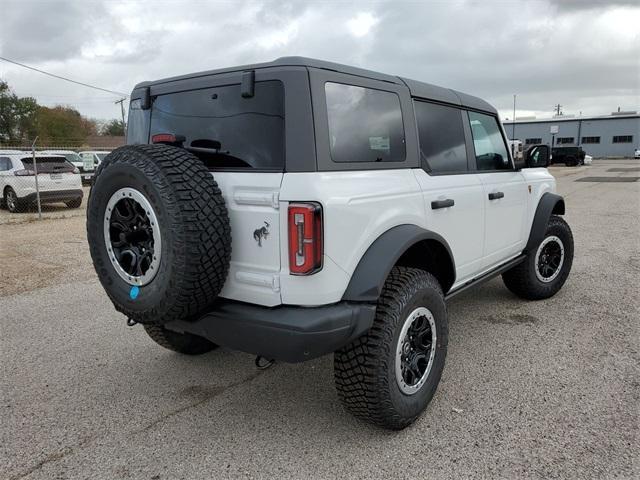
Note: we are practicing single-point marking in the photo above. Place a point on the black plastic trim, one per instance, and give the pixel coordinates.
(436, 204)
(485, 277)
(54, 196)
(374, 266)
(545, 208)
(285, 333)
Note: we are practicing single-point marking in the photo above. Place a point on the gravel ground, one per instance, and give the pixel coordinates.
(531, 389)
(49, 211)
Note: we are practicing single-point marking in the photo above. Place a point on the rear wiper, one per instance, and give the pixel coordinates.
(205, 146)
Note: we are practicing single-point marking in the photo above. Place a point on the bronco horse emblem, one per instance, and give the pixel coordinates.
(260, 233)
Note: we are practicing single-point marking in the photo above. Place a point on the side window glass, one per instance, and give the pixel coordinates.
(365, 125)
(491, 152)
(441, 135)
(5, 164)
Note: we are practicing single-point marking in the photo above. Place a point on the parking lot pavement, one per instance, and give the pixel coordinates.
(531, 389)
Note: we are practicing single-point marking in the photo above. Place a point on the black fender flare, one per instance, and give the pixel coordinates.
(373, 269)
(549, 204)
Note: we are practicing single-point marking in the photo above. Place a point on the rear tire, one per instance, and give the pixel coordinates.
(571, 161)
(74, 203)
(158, 233)
(374, 375)
(185, 343)
(11, 201)
(536, 279)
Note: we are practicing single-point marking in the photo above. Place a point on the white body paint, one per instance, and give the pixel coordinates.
(358, 207)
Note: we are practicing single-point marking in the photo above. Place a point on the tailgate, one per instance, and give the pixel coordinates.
(252, 202)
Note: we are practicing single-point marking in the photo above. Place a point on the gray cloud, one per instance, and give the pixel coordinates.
(47, 30)
(581, 54)
(591, 4)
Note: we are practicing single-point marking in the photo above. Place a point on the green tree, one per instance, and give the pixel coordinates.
(17, 116)
(113, 128)
(63, 126)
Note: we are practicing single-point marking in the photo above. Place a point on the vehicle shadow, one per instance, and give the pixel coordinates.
(286, 397)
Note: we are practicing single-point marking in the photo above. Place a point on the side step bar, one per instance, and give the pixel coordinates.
(487, 276)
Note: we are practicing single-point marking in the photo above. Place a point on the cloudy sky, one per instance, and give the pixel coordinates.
(583, 54)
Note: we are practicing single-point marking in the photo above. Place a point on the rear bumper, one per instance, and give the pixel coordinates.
(50, 196)
(285, 333)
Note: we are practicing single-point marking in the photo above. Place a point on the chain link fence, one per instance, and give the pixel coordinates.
(45, 181)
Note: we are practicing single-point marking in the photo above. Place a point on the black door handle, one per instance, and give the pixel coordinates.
(436, 204)
(496, 195)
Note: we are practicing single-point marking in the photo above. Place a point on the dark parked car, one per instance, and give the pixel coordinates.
(570, 156)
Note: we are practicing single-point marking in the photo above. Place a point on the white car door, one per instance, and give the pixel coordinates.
(505, 191)
(452, 192)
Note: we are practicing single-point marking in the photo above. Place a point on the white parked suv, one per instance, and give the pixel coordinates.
(86, 168)
(298, 208)
(58, 181)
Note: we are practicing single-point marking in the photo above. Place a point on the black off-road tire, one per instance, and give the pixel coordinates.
(364, 370)
(522, 279)
(571, 161)
(74, 203)
(185, 343)
(194, 230)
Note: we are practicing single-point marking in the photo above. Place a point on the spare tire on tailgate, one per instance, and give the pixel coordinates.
(158, 233)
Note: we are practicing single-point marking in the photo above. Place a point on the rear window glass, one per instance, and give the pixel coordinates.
(365, 125)
(48, 164)
(71, 156)
(224, 129)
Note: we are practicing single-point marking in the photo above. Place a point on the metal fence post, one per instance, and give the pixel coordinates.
(35, 171)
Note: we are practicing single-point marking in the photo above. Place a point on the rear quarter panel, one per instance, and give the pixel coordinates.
(358, 207)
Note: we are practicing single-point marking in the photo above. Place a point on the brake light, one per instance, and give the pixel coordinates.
(305, 238)
(24, 173)
(163, 138)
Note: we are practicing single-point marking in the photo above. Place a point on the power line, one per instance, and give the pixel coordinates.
(64, 78)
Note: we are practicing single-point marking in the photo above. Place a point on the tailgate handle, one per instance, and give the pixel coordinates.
(496, 195)
(436, 204)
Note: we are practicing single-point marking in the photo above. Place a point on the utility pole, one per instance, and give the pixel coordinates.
(558, 109)
(121, 102)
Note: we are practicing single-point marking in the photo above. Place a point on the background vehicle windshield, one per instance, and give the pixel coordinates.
(72, 157)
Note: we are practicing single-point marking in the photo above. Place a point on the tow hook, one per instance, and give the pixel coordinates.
(131, 322)
(263, 363)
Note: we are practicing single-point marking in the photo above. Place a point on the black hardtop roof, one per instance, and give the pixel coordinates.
(417, 88)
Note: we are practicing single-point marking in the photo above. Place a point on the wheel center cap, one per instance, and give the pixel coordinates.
(406, 348)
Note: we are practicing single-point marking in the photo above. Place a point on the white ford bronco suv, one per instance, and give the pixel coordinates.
(297, 208)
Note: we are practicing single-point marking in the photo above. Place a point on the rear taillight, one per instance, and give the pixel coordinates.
(24, 173)
(163, 138)
(305, 238)
(168, 139)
